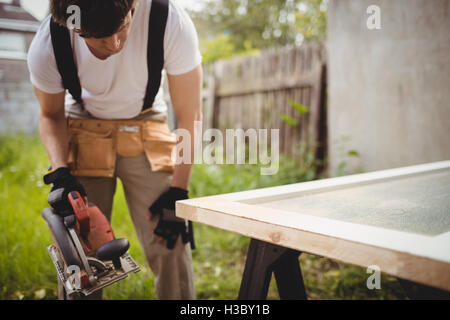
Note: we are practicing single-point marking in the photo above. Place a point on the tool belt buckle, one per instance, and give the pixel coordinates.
(125, 128)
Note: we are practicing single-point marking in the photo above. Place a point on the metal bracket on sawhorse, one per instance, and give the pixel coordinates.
(264, 258)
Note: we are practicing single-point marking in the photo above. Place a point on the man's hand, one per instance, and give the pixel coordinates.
(169, 226)
(63, 180)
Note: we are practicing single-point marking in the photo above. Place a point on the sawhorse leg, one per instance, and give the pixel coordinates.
(264, 258)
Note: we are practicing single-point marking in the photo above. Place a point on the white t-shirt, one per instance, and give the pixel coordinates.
(115, 88)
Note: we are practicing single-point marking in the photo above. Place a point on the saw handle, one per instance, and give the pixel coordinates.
(81, 212)
(56, 200)
(113, 250)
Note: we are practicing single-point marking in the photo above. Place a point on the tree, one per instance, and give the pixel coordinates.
(259, 24)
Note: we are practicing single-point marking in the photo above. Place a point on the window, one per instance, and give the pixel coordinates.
(11, 41)
(12, 45)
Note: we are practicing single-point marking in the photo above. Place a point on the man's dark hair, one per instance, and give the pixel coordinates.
(99, 18)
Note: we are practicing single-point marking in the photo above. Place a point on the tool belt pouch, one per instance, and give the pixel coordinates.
(94, 144)
(91, 148)
(159, 146)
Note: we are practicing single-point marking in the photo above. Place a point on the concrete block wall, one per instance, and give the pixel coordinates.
(18, 105)
(389, 89)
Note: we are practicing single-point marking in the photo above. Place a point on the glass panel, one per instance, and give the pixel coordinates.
(418, 204)
(12, 42)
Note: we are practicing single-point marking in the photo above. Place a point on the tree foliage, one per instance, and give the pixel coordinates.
(242, 25)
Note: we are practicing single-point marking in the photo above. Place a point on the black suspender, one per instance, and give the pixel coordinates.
(64, 60)
(155, 54)
(155, 49)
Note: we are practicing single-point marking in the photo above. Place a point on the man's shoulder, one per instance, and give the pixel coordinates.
(179, 24)
(176, 12)
(181, 41)
(41, 44)
(41, 61)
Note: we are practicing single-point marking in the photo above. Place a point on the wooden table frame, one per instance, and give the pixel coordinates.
(413, 257)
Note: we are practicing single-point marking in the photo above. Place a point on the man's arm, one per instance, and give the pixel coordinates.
(53, 127)
(186, 95)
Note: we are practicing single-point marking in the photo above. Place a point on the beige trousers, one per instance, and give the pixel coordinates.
(142, 186)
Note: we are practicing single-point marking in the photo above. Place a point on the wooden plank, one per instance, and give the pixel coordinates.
(409, 255)
(287, 141)
(297, 135)
(304, 120)
(239, 88)
(413, 243)
(293, 142)
(315, 106)
(390, 250)
(299, 61)
(311, 187)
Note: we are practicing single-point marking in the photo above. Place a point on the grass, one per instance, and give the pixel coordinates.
(26, 271)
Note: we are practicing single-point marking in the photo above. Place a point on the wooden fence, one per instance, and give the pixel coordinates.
(253, 92)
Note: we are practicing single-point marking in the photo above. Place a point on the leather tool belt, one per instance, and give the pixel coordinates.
(95, 144)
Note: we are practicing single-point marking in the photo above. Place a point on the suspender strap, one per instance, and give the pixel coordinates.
(64, 60)
(155, 49)
(155, 54)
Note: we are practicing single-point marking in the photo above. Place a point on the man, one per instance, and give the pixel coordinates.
(106, 133)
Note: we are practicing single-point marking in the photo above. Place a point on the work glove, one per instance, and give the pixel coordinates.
(170, 226)
(63, 183)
